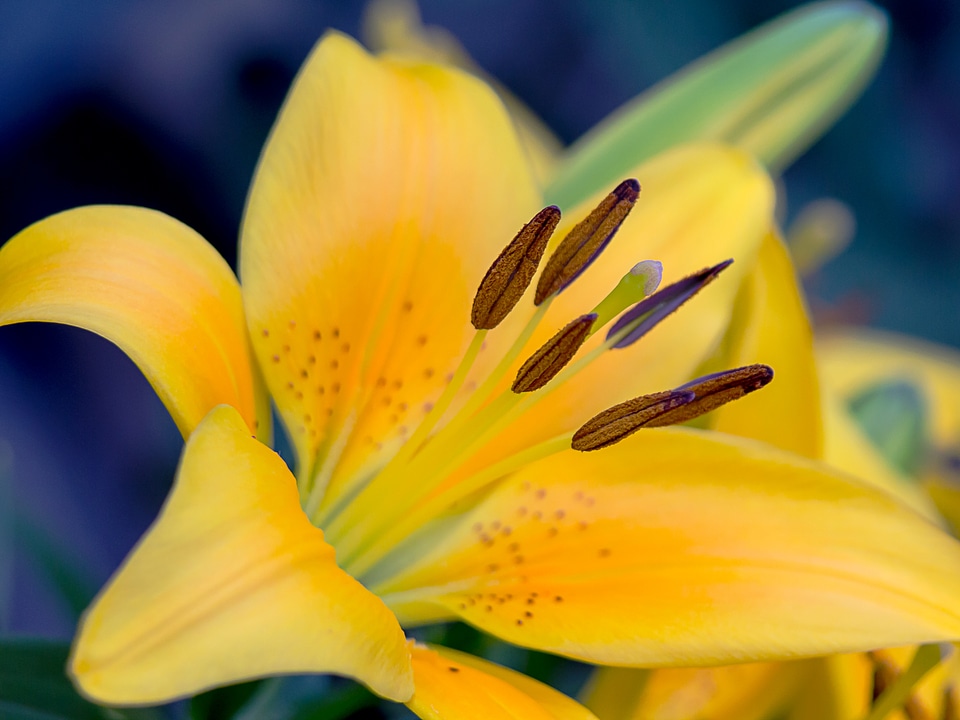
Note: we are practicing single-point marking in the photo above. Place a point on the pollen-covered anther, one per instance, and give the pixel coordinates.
(647, 314)
(614, 424)
(712, 391)
(553, 356)
(584, 243)
(511, 273)
(669, 407)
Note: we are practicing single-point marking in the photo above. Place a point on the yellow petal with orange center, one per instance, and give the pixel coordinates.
(152, 286)
(736, 692)
(395, 27)
(232, 582)
(680, 547)
(455, 686)
(771, 326)
(385, 191)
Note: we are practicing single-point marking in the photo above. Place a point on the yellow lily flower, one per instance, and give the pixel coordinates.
(386, 188)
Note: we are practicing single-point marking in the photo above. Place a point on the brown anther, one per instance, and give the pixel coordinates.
(613, 425)
(712, 391)
(586, 240)
(511, 273)
(553, 356)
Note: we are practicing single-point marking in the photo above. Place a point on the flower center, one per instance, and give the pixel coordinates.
(423, 482)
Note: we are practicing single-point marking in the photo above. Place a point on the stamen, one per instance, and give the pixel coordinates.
(551, 358)
(584, 243)
(712, 391)
(669, 407)
(616, 423)
(646, 314)
(511, 273)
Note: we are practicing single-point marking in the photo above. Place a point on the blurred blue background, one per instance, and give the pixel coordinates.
(166, 103)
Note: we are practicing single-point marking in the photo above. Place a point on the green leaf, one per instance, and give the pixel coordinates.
(33, 682)
(773, 91)
(893, 415)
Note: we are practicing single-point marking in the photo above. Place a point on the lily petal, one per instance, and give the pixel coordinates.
(679, 547)
(232, 582)
(152, 286)
(384, 193)
(455, 686)
(752, 691)
(771, 326)
(396, 27)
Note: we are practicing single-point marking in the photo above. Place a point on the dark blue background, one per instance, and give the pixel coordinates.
(166, 104)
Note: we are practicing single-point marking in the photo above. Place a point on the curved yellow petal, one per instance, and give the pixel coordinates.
(852, 359)
(699, 205)
(232, 582)
(736, 692)
(384, 193)
(679, 547)
(944, 492)
(152, 286)
(395, 27)
(455, 686)
(771, 326)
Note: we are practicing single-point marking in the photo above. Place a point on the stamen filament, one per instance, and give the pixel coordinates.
(440, 501)
(452, 444)
(320, 477)
(441, 405)
(385, 490)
